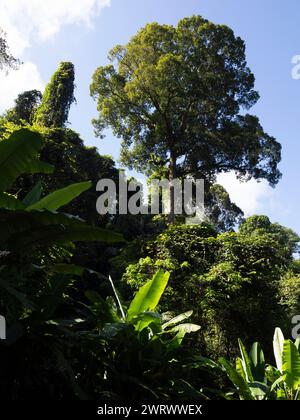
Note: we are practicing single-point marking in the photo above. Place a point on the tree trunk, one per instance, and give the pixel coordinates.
(172, 176)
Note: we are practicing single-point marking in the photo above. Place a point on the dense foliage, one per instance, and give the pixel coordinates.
(174, 96)
(230, 280)
(91, 313)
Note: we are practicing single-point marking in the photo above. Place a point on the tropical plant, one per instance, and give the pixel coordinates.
(36, 280)
(230, 281)
(143, 355)
(256, 380)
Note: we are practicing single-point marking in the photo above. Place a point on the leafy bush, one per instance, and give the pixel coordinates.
(256, 380)
(43, 342)
(229, 280)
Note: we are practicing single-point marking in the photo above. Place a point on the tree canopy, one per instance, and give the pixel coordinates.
(25, 107)
(174, 96)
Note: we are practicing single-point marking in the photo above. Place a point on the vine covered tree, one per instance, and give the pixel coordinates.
(174, 96)
(57, 98)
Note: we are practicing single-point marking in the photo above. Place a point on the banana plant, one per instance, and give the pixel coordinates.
(142, 316)
(143, 346)
(32, 293)
(256, 380)
(34, 221)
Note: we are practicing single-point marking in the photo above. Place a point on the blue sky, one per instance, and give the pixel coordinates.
(43, 33)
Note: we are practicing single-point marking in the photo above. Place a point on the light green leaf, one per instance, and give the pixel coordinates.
(60, 198)
(278, 341)
(245, 362)
(257, 361)
(186, 328)
(291, 365)
(238, 381)
(177, 319)
(149, 295)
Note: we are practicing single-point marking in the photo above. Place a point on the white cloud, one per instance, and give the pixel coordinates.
(250, 196)
(30, 21)
(17, 81)
(27, 22)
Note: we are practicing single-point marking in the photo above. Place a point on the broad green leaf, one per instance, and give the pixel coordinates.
(277, 382)
(144, 319)
(240, 368)
(245, 362)
(149, 295)
(259, 390)
(175, 343)
(10, 202)
(60, 198)
(23, 230)
(38, 167)
(16, 154)
(237, 380)
(257, 361)
(291, 365)
(186, 328)
(177, 319)
(34, 195)
(278, 341)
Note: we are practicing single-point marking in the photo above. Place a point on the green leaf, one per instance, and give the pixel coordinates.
(259, 390)
(175, 343)
(16, 154)
(291, 365)
(38, 167)
(257, 361)
(34, 195)
(144, 319)
(60, 198)
(177, 319)
(149, 295)
(240, 368)
(10, 202)
(278, 341)
(237, 380)
(23, 230)
(245, 362)
(186, 328)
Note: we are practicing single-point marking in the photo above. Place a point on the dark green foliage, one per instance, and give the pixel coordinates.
(220, 210)
(43, 344)
(57, 98)
(25, 107)
(229, 280)
(73, 162)
(174, 96)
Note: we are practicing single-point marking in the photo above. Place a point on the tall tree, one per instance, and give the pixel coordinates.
(174, 96)
(57, 98)
(25, 107)
(6, 59)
